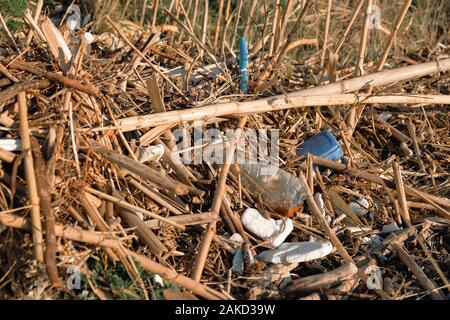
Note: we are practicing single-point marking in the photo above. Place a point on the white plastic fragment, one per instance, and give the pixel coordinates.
(373, 240)
(74, 21)
(359, 206)
(374, 278)
(319, 201)
(297, 252)
(88, 37)
(11, 144)
(158, 280)
(238, 261)
(237, 240)
(151, 153)
(273, 231)
(389, 228)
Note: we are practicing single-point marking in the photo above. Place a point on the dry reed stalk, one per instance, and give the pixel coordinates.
(6, 155)
(30, 178)
(359, 69)
(386, 50)
(349, 26)
(204, 30)
(158, 178)
(322, 281)
(37, 13)
(155, 12)
(7, 32)
(401, 192)
(126, 205)
(218, 23)
(433, 200)
(412, 135)
(56, 44)
(15, 89)
(46, 206)
(144, 234)
(151, 64)
(262, 105)
(101, 239)
(66, 232)
(215, 207)
(276, 14)
(8, 74)
(422, 278)
(143, 10)
(25, 66)
(185, 220)
(325, 37)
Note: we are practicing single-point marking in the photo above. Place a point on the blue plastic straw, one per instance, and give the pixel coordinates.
(243, 62)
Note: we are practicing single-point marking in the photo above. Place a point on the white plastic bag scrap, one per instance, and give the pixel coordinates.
(297, 252)
(359, 206)
(276, 231)
(158, 280)
(237, 240)
(151, 153)
(374, 278)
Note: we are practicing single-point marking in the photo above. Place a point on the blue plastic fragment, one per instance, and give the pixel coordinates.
(243, 62)
(324, 145)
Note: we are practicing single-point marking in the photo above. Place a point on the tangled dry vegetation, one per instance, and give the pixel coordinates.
(79, 110)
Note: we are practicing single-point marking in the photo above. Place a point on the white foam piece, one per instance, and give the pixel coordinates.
(276, 231)
(296, 252)
(11, 144)
(359, 206)
(151, 153)
(374, 278)
(88, 37)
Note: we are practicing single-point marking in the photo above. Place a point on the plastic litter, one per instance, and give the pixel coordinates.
(158, 280)
(243, 62)
(296, 252)
(151, 153)
(389, 228)
(279, 190)
(324, 145)
(374, 278)
(11, 144)
(359, 206)
(276, 231)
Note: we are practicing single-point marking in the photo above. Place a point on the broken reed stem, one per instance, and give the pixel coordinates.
(46, 206)
(383, 59)
(401, 193)
(422, 278)
(325, 37)
(218, 23)
(123, 204)
(217, 202)
(151, 65)
(262, 105)
(104, 240)
(37, 13)
(31, 178)
(359, 69)
(434, 200)
(349, 26)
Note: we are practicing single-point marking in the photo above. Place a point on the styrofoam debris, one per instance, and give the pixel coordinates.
(373, 240)
(297, 252)
(374, 278)
(276, 231)
(74, 21)
(151, 153)
(359, 206)
(11, 144)
(157, 279)
(388, 228)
